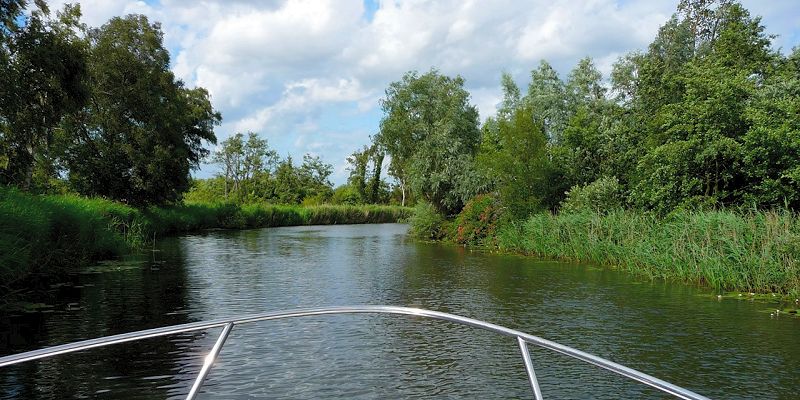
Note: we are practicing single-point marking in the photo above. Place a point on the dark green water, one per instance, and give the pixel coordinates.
(723, 349)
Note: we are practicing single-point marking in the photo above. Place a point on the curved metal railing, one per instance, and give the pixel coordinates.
(227, 324)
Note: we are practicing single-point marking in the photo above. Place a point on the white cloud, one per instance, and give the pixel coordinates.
(302, 98)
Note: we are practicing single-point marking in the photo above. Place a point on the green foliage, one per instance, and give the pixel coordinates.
(547, 99)
(48, 235)
(754, 252)
(772, 144)
(253, 174)
(143, 131)
(427, 222)
(365, 181)
(522, 182)
(431, 133)
(314, 176)
(601, 196)
(206, 190)
(477, 223)
(346, 194)
(697, 137)
(42, 79)
(443, 171)
(243, 162)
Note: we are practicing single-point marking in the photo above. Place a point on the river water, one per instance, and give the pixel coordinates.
(722, 349)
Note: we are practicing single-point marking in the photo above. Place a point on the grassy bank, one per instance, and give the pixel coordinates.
(753, 252)
(47, 235)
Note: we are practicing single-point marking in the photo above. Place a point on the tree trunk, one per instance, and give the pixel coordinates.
(403, 190)
(26, 185)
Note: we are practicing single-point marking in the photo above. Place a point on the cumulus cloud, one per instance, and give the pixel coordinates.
(308, 75)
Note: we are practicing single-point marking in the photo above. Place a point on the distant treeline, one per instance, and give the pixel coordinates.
(252, 172)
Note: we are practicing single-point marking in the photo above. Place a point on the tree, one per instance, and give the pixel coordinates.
(586, 135)
(376, 184)
(696, 141)
(547, 99)
(314, 177)
(288, 187)
(772, 144)
(431, 133)
(704, 18)
(585, 86)
(522, 182)
(243, 161)
(42, 79)
(625, 78)
(229, 156)
(142, 130)
(358, 172)
(511, 96)
(367, 183)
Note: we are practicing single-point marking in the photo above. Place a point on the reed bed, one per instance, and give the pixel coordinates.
(47, 235)
(752, 251)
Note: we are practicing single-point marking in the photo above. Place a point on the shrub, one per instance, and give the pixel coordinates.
(603, 195)
(477, 222)
(426, 222)
(346, 194)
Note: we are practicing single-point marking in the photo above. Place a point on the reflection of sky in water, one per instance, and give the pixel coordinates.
(671, 331)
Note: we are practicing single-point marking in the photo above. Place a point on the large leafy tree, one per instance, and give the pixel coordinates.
(315, 178)
(583, 152)
(430, 130)
(142, 131)
(357, 180)
(366, 182)
(42, 79)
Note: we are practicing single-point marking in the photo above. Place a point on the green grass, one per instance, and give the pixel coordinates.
(753, 252)
(48, 235)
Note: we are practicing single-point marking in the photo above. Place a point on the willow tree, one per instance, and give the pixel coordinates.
(430, 131)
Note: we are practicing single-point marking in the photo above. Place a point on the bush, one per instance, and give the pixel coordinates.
(426, 222)
(477, 222)
(346, 194)
(603, 195)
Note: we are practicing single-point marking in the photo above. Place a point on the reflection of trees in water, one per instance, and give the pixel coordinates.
(150, 295)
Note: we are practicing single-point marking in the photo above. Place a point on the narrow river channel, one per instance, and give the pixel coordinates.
(722, 349)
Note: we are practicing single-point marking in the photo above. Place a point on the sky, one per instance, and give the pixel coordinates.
(308, 76)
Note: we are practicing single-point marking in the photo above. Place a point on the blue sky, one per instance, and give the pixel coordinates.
(308, 75)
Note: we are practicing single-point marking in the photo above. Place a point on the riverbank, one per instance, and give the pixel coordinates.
(49, 235)
(756, 252)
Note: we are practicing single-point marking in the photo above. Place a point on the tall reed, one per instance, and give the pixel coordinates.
(754, 251)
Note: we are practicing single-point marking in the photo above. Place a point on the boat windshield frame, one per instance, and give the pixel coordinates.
(227, 324)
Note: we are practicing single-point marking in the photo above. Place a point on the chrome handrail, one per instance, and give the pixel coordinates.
(523, 339)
